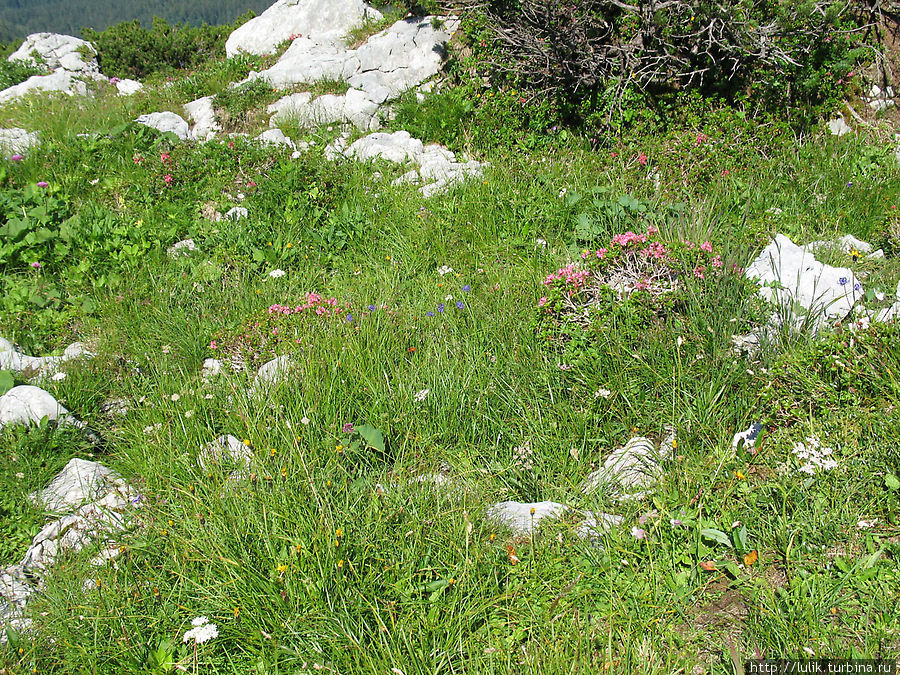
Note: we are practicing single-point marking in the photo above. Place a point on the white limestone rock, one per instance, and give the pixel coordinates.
(27, 404)
(270, 374)
(225, 450)
(630, 470)
(277, 138)
(437, 167)
(202, 114)
(847, 244)
(164, 122)
(58, 51)
(323, 21)
(79, 482)
(18, 141)
(211, 368)
(523, 518)
(355, 107)
(790, 277)
(307, 61)
(58, 81)
(38, 366)
(128, 87)
(838, 127)
(182, 248)
(402, 56)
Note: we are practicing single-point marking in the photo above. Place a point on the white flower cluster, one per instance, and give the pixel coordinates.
(421, 395)
(202, 631)
(814, 456)
(444, 269)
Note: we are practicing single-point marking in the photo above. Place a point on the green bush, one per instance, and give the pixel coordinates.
(235, 106)
(14, 72)
(129, 50)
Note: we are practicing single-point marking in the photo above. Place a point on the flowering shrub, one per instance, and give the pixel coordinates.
(633, 267)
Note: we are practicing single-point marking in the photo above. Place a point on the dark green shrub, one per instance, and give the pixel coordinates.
(129, 50)
(14, 72)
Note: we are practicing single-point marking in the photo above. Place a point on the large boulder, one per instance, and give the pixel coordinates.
(27, 405)
(322, 21)
(58, 51)
(81, 481)
(203, 115)
(355, 107)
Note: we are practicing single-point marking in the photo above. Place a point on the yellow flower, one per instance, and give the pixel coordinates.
(236, 612)
(272, 452)
(298, 549)
(288, 245)
(492, 537)
(284, 472)
(339, 533)
(171, 523)
(340, 563)
(739, 475)
(164, 533)
(247, 442)
(327, 483)
(674, 443)
(282, 567)
(339, 448)
(532, 510)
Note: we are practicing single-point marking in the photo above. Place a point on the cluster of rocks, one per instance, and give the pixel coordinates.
(628, 473)
(72, 63)
(433, 166)
(92, 504)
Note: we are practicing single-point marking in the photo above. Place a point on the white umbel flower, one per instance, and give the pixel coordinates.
(421, 395)
(201, 631)
(277, 274)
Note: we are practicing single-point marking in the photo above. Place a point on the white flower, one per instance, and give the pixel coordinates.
(814, 456)
(166, 349)
(20, 475)
(201, 632)
(277, 274)
(421, 395)
(304, 421)
(866, 524)
(175, 397)
(448, 298)
(540, 243)
(189, 413)
(58, 377)
(602, 393)
(638, 533)
(444, 269)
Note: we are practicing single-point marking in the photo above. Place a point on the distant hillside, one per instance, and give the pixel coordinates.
(19, 18)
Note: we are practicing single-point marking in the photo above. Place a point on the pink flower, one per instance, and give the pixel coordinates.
(638, 533)
(165, 157)
(114, 80)
(543, 301)
(231, 145)
(251, 184)
(706, 246)
(702, 138)
(642, 159)
(348, 428)
(717, 262)
(36, 265)
(213, 345)
(16, 158)
(168, 178)
(138, 159)
(43, 184)
(698, 271)
(564, 366)
(726, 172)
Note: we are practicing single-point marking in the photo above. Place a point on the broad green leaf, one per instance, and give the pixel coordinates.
(372, 436)
(716, 535)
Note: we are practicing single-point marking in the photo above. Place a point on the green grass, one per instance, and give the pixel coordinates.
(418, 579)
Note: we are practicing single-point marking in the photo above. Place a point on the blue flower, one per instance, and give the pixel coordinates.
(842, 281)
(466, 288)
(857, 287)
(441, 307)
(429, 313)
(371, 308)
(349, 317)
(459, 304)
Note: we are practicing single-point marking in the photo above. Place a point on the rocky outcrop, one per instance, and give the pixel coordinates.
(355, 107)
(59, 81)
(319, 21)
(58, 51)
(202, 114)
(98, 502)
(17, 362)
(166, 122)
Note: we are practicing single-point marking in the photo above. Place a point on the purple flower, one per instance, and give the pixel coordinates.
(429, 313)
(842, 281)
(114, 80)
(459, 304)
(36, 265)
(857, 287)
(441, 307)
(371, 308)
(348, 428)
(466, 288)
(349, 317)
(43, 184)
(16, 158)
